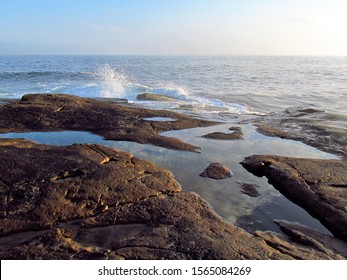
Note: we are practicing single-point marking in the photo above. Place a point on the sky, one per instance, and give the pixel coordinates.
(173, 27)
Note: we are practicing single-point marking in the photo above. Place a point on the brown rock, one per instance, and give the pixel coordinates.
(309, 131)
(319, 186)
(235, 135)
(249, 189)
(305, 243)
(154, 97)
(93, 202)
(55, 112)
(216, 171)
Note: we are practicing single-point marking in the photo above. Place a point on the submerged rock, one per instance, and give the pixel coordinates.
(216, 171)
(55, 112)
(154, 97)
(249, 189)
(319, 186)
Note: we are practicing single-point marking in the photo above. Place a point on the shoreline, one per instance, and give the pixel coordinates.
(129, 125)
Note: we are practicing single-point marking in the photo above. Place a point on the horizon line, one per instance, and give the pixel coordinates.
(191, 55)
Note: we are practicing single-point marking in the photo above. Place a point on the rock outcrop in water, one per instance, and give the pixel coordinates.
(217, 171)
(54, 112)
(236, 134)
(307, 129)
(319, 186)
(249, 189)
(154, 97)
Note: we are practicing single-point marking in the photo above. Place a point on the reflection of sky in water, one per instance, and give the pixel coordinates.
(224, 195)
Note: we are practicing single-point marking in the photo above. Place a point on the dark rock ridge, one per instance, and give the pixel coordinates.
(235, 135)
(216, 171)
(319, 186)
(94, 202)
(55, 112)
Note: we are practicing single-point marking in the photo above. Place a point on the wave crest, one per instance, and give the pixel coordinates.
(117, 85)
(113, 83)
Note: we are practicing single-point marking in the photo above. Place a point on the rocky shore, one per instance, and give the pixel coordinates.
(92, 202)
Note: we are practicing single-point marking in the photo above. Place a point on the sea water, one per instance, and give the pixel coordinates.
(235, 84)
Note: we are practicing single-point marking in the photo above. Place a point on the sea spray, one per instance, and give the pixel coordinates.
(113, 83)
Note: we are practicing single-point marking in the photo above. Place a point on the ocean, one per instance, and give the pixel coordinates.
(224, 88)
(216, 84)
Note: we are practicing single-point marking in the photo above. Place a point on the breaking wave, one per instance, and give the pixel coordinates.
(107, 82)
(117, 85)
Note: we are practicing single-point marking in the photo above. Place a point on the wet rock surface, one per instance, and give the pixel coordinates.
(319, 186)
(154, 97)
(93, 202)
(216, 171)
(55, 112)
(235, 135)
(305, 243)
(305, 128)
(249, 189)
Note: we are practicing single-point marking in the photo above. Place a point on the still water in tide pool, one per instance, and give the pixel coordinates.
(225, 196)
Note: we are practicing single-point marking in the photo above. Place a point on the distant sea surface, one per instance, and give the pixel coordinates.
(200, 84)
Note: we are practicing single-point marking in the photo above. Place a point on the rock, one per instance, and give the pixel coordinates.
(216, 171)
(154, 97)
(309, 131)
(56, 112)
(249, 189)
(94, 202)
(319, 186)
(235, 135)
(305, 243)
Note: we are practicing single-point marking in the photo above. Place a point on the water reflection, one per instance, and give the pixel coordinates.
(224, 196)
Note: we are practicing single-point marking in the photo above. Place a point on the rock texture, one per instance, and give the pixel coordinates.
(319, 186)
(307, 129)
(55, 112)
(93, 202)
(249, 189)
(216, 171)
(305, 243)
(154, 97)
(235, 135)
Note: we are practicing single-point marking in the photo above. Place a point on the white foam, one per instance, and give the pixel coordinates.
(113, 83)
(117, 85)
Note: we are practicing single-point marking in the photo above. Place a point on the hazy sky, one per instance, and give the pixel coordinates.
(246, 27)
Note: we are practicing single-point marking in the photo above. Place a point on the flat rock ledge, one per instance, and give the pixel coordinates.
(154, 97)
(236, 134)
(319, 186)
(304, 243)
(57, 112)
(308, 131)
(94, 202)
(217, 171)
